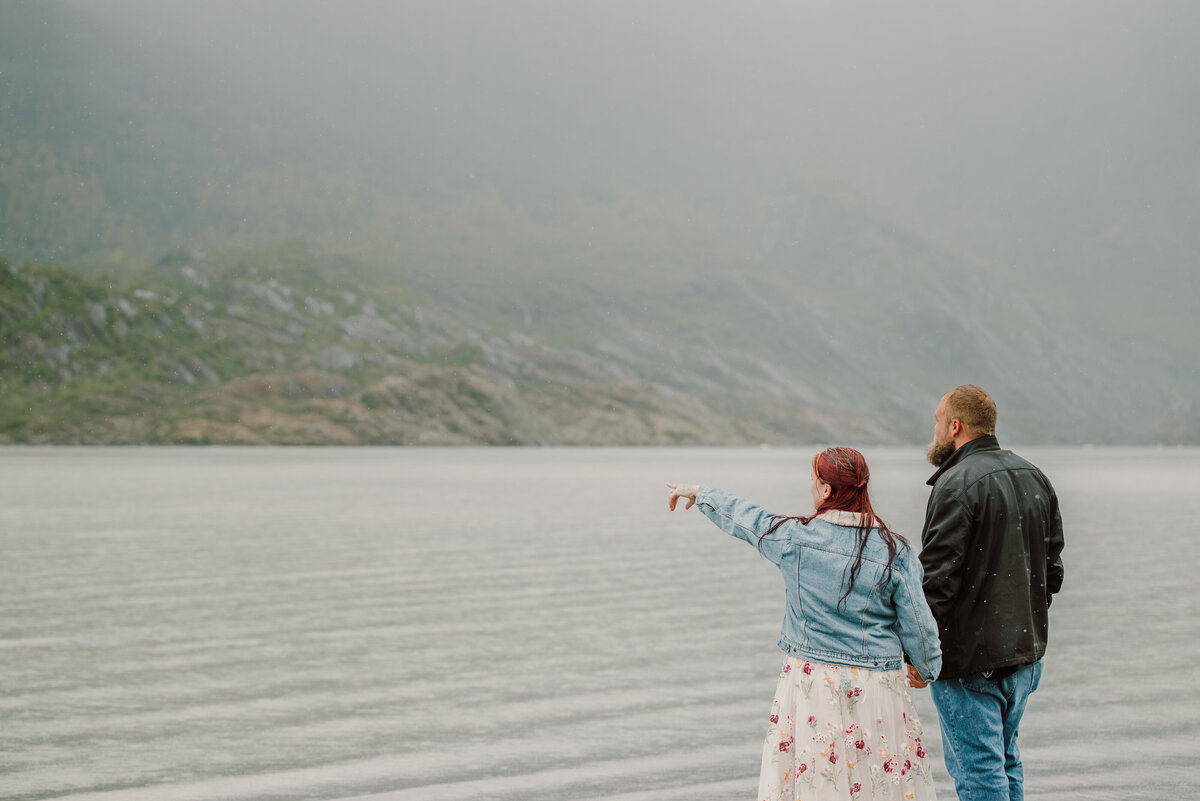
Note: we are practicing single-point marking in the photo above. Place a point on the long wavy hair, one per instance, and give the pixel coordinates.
(845, 471)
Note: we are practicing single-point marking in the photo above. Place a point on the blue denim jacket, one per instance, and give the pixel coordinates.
(879, 624)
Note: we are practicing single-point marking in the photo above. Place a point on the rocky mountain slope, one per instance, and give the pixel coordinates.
(291, 344)
(290, 349)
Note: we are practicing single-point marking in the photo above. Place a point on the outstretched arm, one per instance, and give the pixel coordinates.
(742, 519)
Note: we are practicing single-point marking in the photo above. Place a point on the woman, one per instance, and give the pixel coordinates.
(843, 725)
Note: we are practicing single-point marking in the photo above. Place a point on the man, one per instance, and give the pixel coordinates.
(991, 550)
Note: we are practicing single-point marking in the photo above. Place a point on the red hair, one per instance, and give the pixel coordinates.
(845, 471)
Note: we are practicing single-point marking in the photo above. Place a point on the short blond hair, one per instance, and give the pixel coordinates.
(972, 407)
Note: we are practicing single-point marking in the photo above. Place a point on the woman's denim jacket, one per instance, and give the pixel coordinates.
(884, 621)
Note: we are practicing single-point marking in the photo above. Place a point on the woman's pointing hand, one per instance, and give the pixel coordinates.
(682, 491)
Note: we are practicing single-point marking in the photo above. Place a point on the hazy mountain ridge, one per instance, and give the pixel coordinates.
(288, 344)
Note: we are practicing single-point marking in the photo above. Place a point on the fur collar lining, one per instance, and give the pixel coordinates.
(840, 517)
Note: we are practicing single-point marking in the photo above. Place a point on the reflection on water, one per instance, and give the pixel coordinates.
(510, 624)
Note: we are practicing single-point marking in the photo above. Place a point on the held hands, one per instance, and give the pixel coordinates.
(914, 678)
(682, 491)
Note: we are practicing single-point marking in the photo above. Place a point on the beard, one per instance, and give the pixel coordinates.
(938, 452)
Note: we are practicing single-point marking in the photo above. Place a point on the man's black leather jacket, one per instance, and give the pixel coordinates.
(991, 550)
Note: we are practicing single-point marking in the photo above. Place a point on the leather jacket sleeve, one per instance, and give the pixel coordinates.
(1054, 547)
(943, 547)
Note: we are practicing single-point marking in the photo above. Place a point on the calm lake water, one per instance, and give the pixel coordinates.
(435, 624)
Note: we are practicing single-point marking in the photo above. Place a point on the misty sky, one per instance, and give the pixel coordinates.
(1056, 136)
(1042, 102)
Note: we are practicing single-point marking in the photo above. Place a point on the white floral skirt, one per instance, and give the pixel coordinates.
(840, 732)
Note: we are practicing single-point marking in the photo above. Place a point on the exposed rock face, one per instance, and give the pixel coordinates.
(290, 386)
(423, 404)
(336, 358)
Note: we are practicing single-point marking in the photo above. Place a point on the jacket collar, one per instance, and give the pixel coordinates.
(987, 442)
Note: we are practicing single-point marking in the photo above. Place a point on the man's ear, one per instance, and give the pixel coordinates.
(955, 428)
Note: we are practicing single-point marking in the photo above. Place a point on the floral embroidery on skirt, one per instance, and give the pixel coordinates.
(841, 732)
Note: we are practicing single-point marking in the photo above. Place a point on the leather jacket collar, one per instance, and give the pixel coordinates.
(987, 442)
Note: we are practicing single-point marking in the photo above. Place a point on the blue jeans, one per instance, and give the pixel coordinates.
(979, 720)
